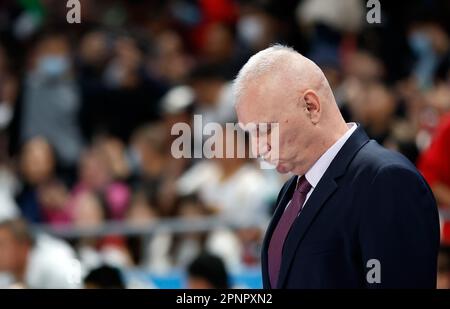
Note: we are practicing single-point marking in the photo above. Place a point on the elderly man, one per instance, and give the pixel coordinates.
(354, 215)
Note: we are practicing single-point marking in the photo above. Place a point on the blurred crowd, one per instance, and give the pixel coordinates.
(86, 112)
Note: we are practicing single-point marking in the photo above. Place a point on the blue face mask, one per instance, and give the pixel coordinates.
(420, 43)
(53, 66)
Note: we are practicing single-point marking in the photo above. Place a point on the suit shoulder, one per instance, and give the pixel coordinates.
(374, 158)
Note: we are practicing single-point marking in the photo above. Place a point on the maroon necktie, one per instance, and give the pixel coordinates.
(282, 229)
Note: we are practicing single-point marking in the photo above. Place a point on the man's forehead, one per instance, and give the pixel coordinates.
(247, 114)
(251, 99)
(251, 116)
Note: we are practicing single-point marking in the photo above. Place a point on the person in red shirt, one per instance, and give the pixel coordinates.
(434, 164)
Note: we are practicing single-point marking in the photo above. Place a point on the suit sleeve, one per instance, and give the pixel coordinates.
(399, 231)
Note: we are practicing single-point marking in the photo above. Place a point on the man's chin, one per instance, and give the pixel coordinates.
(283, 169)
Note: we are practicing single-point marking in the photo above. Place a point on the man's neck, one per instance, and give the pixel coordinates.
(331, 136)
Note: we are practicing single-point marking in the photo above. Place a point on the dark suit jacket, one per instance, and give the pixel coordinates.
(371, 203)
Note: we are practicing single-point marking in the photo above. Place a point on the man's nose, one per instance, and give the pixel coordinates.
(260, 146)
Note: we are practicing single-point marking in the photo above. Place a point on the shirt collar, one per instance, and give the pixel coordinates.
(315, 173)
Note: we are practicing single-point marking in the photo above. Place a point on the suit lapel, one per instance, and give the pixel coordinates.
(282, 202)
(324, 190)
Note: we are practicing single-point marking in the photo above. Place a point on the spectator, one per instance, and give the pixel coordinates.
(89, 212)
(214, 95)
(172, 62)
(207, 272)
(51, 100)
(8, 91)
(187, 245)
(132, 94)
(443, 277)
(42, 197)
(36, 262)
(104, 277)
(96, 174)
(142, 212)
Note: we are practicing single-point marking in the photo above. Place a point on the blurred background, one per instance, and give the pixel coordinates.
(90, 195)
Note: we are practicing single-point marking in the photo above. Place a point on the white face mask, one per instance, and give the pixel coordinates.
(134, 159)
(114, 74)
(6, 114)
(250, 29)
(420, 42)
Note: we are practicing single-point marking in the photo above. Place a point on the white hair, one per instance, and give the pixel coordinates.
(281, 58)
(259, 64)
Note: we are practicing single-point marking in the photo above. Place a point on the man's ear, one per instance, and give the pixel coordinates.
(313, 107)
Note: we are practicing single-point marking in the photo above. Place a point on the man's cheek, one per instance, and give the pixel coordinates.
(282, 147)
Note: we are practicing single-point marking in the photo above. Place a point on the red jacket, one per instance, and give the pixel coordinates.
(434, 164)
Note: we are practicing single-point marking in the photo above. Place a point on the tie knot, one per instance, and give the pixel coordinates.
(303, 185)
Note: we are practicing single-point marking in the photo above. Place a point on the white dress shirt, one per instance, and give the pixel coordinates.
(315, 173)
